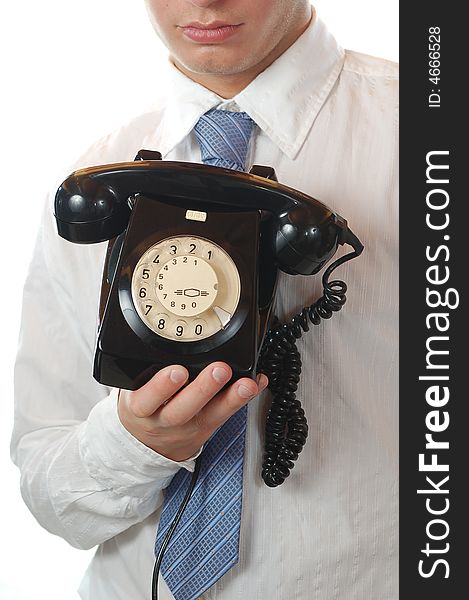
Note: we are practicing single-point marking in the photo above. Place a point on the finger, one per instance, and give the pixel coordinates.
(190, 400)
(164, 384)
(230, 401)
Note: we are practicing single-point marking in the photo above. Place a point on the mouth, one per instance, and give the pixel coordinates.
(209, 33)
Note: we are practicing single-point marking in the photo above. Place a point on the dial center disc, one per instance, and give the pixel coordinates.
(186, 285)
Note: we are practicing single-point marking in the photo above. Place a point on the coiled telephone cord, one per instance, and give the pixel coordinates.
(286, 428)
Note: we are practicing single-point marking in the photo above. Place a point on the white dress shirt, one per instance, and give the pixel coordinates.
(327, 122)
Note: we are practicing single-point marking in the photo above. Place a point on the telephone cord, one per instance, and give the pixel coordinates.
(286, 428)
(174, 524)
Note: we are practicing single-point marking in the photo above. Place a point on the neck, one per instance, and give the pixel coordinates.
(228, 85)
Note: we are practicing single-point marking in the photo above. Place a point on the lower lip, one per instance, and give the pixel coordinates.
(210, 36)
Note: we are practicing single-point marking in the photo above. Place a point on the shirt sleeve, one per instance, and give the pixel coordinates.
(83, 475)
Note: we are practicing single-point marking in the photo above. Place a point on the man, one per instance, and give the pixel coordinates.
(95, 462)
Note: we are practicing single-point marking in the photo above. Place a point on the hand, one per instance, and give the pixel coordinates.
(174, 420)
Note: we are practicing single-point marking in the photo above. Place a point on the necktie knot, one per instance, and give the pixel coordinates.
(224, 137)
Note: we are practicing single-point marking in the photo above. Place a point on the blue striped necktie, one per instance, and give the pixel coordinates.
(205, 544)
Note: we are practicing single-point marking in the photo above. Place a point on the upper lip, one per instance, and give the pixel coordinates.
(212, 25)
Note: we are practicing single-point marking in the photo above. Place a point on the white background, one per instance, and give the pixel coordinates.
(72, 71)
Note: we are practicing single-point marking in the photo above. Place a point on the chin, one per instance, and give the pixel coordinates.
(209, 61)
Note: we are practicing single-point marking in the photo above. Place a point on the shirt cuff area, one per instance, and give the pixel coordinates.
(115, 458)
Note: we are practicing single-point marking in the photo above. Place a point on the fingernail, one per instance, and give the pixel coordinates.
(220, 374)
(245, 392)
(262, 381)
(177, 375)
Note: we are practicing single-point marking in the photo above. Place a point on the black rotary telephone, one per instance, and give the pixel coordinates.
(190, 277)
(191, 271)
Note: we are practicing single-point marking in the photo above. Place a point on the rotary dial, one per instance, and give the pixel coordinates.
(186, 288)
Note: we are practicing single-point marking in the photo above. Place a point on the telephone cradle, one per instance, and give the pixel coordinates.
(191, 272)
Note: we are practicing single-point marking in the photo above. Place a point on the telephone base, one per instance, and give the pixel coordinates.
(128, 353)
(131, 374)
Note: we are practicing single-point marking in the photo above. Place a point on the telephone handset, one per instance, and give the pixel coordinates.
(191, 272)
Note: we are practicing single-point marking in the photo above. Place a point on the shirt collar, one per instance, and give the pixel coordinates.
(285, 111)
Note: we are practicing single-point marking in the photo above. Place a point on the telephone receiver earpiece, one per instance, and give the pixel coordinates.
(94, 204)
